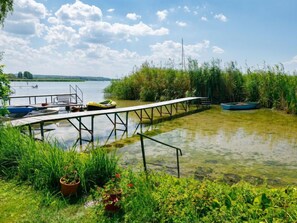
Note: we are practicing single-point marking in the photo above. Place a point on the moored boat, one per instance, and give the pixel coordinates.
(107, 104)
(240, 105)
(18, 111)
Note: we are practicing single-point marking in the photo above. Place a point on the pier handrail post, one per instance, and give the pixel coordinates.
(178, 151)
(143, 152)
(177, 161)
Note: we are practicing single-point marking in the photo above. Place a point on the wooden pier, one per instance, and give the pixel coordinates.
(148, 112)
(73, 98)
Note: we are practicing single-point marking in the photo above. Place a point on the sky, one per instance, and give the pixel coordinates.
(114, 38)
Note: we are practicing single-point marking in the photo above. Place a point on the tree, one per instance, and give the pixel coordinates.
(4, 90)
(28, 75)
(20, 74)
(6, 6)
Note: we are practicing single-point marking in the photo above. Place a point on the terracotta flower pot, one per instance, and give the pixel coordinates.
(111, 199)
(69, 189)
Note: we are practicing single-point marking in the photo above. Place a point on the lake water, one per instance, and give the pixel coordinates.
(256, 144)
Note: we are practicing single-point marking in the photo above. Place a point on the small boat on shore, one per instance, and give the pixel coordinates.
(240, 105)
(18, 111)
(107, 104)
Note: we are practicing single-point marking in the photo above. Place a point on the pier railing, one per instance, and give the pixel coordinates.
(75, 96)
(177, 150)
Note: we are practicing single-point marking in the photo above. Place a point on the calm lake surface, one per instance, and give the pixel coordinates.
(255, 144)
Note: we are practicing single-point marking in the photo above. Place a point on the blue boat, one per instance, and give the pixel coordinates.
(240, 105)
(15, 111)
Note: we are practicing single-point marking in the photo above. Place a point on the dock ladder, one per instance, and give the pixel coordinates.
(77, 93)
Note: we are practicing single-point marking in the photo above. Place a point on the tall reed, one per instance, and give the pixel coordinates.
(271, 86)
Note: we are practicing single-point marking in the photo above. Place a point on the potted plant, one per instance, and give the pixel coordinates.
(112, 194)
(70, 181)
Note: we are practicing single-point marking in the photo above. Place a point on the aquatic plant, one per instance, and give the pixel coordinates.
(271, 86)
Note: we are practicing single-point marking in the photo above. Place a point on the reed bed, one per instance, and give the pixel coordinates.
(271, 86)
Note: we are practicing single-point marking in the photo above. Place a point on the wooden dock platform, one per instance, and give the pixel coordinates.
(73, 98)
(144, 112)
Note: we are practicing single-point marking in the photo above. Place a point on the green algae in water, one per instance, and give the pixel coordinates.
(259, 143)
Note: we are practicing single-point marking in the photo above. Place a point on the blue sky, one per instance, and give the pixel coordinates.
(112, 38)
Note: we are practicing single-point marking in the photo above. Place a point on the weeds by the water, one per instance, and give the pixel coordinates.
(42, 164)
(271, 86)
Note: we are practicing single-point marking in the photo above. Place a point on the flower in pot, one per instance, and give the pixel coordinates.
(112, 194)
(70, 181)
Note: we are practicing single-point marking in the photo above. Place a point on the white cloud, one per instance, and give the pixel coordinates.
(291, 65)
(203, 18)
(26, 18)
(172, 50)
(75, 40)
(53, 20)
(62, 34)
(217, 50)
(186, 9)
(162, 14)
(181, 24)
(221, 17)
(29, 9)
(78, 13)
(133, 16)
(292, 61)
(101, 32)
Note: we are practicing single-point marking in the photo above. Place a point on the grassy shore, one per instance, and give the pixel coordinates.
(29, 190)
(21, 203)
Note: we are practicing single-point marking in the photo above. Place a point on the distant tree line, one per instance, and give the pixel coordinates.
(25, 75)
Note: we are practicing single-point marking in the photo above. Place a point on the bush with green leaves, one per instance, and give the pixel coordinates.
(158, 197)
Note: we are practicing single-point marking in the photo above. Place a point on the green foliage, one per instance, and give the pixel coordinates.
(20, 74)
(99, 166)
(270, 86)
(43, 164)
(12, 147)
(151, 84)
(27, 75)
(4, 90)
(5, 7)
(162, 198)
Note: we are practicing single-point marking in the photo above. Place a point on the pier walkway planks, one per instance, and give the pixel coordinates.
(142, 111)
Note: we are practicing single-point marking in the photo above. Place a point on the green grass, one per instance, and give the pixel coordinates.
(21, 203)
